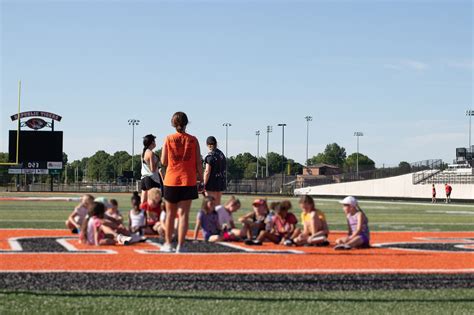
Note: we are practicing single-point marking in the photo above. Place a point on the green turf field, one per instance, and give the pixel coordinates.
(383, 215)
(147, 302)
(388, 216)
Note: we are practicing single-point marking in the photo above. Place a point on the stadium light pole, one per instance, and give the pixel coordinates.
(308, 119)
(257, 133)
(470, 113)
(282, 154)
(358, 134)
(133, 123)
(226, 125)
(269, 130)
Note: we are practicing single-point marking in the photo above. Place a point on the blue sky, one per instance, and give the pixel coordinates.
(400, 71)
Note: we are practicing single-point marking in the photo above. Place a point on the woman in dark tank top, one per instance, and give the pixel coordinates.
(215, 171)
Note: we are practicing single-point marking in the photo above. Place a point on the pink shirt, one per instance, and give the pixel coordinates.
(93, 224)
(283, 226)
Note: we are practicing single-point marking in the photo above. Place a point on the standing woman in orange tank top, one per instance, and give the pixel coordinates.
(181, 156)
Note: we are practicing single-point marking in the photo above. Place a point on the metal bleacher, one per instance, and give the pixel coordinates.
(435, 172)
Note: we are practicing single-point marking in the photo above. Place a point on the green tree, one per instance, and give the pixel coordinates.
(404, 167)
(295, 168)
(121, 161)
(100, 168)
(237, 165)
(275, 163)
(4, 176)
(365, 163)
(250, 170)
(333, 154)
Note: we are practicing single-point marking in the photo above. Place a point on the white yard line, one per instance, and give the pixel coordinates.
(427, 204)
(450, 212)
(256, 271)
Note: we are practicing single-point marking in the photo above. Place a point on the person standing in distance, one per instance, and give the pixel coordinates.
(449, 190)
(181, 156)
(151, 177)
(215, 171)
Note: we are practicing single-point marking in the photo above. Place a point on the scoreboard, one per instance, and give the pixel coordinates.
(36, 147)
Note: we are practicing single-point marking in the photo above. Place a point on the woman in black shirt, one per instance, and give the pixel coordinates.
(215, 171)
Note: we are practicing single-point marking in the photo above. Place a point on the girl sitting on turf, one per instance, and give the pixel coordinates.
(283, 226)
(255, 221)
(114, 219)
(226, 220)
(208, 221)
(137, 218)
(358, 224)
(315, 228)
(77, 217)
(94, 232)
(153, 207)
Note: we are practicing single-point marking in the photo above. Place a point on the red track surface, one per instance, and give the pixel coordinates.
(311, 261)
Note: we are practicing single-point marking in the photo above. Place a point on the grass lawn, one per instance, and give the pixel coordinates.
(383, 216)
(372, 302)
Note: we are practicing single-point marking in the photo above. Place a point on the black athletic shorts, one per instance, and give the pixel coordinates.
(148, 183)
(175, 194)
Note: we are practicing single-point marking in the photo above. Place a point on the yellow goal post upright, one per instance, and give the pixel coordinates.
(17, 131)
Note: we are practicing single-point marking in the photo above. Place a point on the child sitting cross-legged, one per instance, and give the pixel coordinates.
(315, 228)
(94, 232)
(137, 218)
(77, 217)
(358, 224)
(282, 226)
(114, 219)
(208, 221)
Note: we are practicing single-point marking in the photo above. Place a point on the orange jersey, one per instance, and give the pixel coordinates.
(181, 167)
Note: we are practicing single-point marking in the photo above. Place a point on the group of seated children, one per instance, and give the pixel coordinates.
(99, 222)
(277, 224)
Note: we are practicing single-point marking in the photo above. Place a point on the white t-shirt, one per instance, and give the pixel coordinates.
(225, 217)
(137, 220)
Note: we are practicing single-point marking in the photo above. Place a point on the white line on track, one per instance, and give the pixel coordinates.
(258, 271)
(427, 204)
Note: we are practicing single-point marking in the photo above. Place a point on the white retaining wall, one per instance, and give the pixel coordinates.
(396, 187)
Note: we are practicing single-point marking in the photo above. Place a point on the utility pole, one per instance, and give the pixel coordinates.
(226, 125)
(257, 133)
(308, 119)
(282, 154)
(358, 134)
(133, 123)
(269, 130)
(470, 113)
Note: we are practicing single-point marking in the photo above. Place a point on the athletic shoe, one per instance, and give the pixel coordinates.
(75, 231)
(288, 243)
(124, 240)
(342, 247)
(166, 248)
(323, 244)
(181, 249)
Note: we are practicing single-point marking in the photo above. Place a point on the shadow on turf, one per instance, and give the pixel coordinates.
(234, 298)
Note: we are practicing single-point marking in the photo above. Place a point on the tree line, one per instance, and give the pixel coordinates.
(105, 167)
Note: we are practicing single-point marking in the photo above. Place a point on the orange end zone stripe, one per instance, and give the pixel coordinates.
(314, 260)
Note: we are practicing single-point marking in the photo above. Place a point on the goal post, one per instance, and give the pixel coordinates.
(17, 131)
